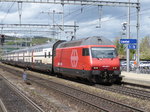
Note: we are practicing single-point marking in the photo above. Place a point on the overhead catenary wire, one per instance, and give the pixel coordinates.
(114, 17)
(124, 16)
(82, 10)
(100, 19)
(2, 21)
(121, 16)
(1, 5)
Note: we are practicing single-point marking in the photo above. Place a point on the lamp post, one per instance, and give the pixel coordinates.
(138, 43)
(128, 37)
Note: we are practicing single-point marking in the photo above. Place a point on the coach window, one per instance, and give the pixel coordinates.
(49, 54)
(85, 52)
(45, 54)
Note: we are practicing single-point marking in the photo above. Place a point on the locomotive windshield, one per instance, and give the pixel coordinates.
(103, 52)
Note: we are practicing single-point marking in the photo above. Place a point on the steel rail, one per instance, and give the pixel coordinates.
(127, 91)
(71, 96)
(136, 85)
(13, 72)
(34, 105)
(111, 101)
(2, 106)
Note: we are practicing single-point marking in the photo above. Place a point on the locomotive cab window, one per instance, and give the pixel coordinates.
(85, 52)
(104, 52)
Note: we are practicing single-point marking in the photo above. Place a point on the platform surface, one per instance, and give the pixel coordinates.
(143, 79)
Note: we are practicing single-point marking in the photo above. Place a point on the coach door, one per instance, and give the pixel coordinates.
(32, 60)
(23, 56)
(32, 57)
(54, 53)
(60, 61)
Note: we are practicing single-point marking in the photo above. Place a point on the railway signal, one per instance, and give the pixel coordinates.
(2, 39)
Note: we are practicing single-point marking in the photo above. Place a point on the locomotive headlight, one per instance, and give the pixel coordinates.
(95, 68)
(115, 68)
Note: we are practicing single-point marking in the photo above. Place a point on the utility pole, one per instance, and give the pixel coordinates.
(1, 30)
(30, 39)
(128, 37)
(138, 43)
(63, 17)
(20, 11)
(53, 16)
(53, 20)
(100, 16)
(75, 30)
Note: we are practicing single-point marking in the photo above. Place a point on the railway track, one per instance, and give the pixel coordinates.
(135, 85)
(142, 94)
(92, 101)
(137, 93)
(2, 107)
(14, 100)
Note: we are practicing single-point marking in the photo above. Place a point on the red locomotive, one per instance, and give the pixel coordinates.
(92, 58)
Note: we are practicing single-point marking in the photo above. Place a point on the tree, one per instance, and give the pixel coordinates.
(145, 48)
(120, 48)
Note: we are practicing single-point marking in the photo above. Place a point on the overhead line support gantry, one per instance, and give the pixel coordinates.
(34, 26)
(79, 2)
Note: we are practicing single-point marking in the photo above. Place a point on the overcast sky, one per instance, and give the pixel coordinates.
(86, 17)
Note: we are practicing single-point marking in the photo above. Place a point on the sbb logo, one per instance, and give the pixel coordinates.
(74, 58)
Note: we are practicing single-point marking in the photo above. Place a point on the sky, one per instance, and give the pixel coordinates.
(86, 17)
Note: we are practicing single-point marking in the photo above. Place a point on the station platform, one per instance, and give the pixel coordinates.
(141, 79)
